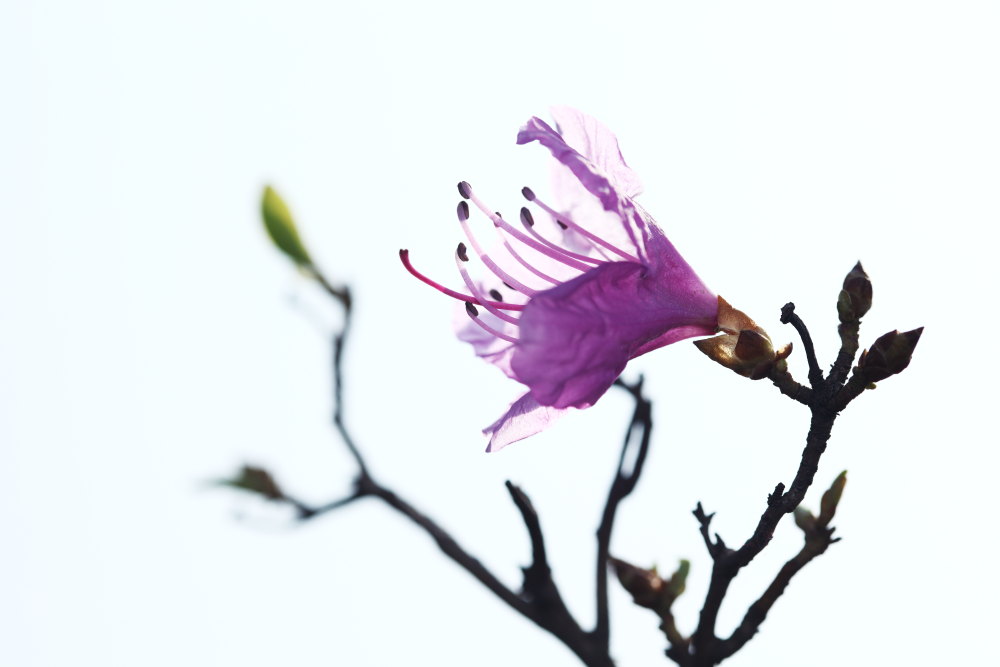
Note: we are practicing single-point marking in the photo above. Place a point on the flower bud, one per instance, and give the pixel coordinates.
(744, 347)
(889, 355)
(281, 228)
(678, 580)
(648, 588)
(856, 298)
(255, 480)
(831, 498)
(645, 586)
(805, 520)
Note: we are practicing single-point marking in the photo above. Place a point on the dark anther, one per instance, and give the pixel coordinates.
(526, 217)
(506, 285)
(562, 224)
(465, 189)
(471, 310)
(528, 194)
(498, 214)
(463, 211)
(495, 295)
(462, 254)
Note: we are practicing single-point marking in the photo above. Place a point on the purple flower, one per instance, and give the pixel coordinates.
(571, 298)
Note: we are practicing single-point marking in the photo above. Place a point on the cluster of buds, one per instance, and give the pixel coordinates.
(744, 347)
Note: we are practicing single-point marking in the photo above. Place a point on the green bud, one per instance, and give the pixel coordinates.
(830, 500)
(804, 519)
(255, 480)
(890, 354)
(678, 580)
(281, 228)
(856, 298)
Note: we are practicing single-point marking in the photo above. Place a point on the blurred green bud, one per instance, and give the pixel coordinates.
(255, 480)
(856, 298)
(281, 228)
(678, 580)
(830, 500)
(805, 520)
(889, 355)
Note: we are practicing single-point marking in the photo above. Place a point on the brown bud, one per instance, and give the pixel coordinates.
(645, 586)
(888, 355)
(648, 588)
(255, 480)
(743, 347)
(856, 298)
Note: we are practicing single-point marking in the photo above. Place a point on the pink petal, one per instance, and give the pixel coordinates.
(524, 418)
(576, 338)
(593, 140)
(579, 179)
(486, 346)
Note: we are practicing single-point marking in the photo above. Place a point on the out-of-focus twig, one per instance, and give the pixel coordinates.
(539, 598)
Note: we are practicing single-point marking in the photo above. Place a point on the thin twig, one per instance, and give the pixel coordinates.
(531, 521)
(450, 547)
(716, 549)
(540, 590)
(540, 601)
(788, 316)
(623, 484)
(787, 385)
(757, 613)
(307, 512)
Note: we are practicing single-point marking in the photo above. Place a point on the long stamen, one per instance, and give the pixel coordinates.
(558, 255)
(463, 218)
(590, 235)
(474, 314)
(529, 224)
(461, 257)
(404, 256)
(525, 263)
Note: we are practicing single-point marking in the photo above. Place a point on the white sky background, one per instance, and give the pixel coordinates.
(150, 341)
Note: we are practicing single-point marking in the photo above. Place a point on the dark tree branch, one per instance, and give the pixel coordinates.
(849, 344)
(813, 547)
(540, 600)
(787, 385)
(307, 512)
(539, 560)
(542, 594)
(854, 388)
(825, 399)
(634, 448)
